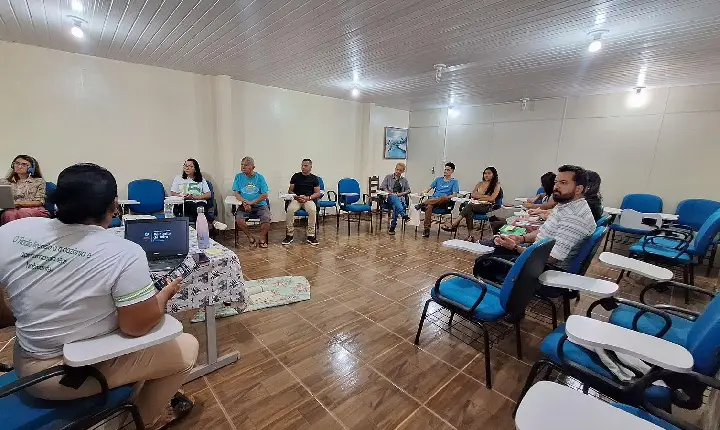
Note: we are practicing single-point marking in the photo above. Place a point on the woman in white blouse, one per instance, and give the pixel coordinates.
(192, 187)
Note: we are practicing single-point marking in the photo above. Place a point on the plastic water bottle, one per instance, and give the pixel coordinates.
(202, 228)
(169, 210)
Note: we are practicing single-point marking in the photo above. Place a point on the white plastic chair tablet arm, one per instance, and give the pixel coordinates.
(116, 344)
(232, 200)
(551, 406)
(597, 287)
(636, 266)
(464, 245)
(591, 333)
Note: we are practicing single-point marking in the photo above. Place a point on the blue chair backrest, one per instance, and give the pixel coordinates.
(322, 184)
(539, 191)
(211, 202)
(581, 261)
(645, 203)
(348, 185)
(708, 231)
(49, 190)
(149, 192)
(703, 339)
(603, 220)
(694, 212)
(499, 200)
(520, 283)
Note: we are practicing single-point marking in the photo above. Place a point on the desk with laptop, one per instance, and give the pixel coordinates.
(170, 243)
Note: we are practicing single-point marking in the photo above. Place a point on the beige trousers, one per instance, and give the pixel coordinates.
(293, 207)
(163, 368)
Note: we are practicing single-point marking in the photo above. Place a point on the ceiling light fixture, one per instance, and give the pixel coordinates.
(637, 98)
(356, 77)
(524, 103)
(439, 68)
(355, 92)
(641, 77)
(76, 30)
(77, 6)
(453, 112)
(596, 43)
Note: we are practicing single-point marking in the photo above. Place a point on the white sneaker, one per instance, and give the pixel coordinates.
(219, 226)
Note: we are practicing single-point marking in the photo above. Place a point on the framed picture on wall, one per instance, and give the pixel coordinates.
(395, 143)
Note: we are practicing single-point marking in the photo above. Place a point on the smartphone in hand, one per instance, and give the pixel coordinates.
(183, 270)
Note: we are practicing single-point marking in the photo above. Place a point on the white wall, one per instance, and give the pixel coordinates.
(138, 121)
(143, 122)
(669, 146)
(278, 128)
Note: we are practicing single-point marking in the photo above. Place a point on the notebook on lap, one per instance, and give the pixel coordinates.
(166, 241)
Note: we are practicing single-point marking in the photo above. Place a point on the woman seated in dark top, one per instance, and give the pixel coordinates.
(486, 193)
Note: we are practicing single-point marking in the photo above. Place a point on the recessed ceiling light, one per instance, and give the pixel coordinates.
(596, 43)
(77, 6)
(355, 92)
(77, 31)
(637, 98)
(356, 77)
(641, 76)
(453, 112)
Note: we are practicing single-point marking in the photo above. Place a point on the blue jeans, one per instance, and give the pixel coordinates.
(398, 208)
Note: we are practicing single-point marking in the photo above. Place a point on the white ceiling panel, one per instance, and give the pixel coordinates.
(497, 50)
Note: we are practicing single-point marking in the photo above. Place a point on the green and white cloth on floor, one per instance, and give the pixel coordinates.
(266, 293)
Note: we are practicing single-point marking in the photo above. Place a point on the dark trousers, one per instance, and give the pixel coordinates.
(190, 210)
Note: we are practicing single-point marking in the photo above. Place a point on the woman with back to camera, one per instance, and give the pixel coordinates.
(486, 192)
(192, 187)
(28, 188)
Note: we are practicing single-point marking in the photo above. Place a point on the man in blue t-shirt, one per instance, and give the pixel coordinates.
(251, 190)
(446, 187)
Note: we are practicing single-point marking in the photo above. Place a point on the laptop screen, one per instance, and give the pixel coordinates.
(160, 237)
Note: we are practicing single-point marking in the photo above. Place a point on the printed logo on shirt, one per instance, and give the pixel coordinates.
(193, 189)
(250, 189)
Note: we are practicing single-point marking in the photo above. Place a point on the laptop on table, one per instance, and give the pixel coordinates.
(166, 241)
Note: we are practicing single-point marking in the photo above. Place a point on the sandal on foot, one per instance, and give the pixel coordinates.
(470, 239)
(449, 228)
(179, 407)
(253, 242)
(263, 245)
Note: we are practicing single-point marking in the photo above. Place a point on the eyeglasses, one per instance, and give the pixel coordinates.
(21, 164)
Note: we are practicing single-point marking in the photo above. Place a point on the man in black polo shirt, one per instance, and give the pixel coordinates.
(306, 188)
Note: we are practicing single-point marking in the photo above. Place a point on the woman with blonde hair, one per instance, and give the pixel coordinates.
(28, 189)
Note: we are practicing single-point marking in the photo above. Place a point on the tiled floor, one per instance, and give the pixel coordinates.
(346, 358)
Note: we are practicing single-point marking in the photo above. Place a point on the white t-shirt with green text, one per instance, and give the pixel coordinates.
(65, 281)
(188, 186)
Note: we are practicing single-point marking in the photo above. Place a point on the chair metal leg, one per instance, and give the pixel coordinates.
(529, 383)
(371, 225)
(337, 218)
(622, 273)
(612, 241)
(482, 229)
(712, 260)
(488, 370)
(518, 343)
(452, 314)
(422, 320)
(566, 307)
(607, 237)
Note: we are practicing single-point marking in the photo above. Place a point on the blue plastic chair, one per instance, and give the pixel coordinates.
(251, 217)
(482, 301)
(578, 266)
(150, 193)
(644, 203)
(539, 191)
(302, 213)
(678, 247)
(323, 205)
(699, 337)
(693, 213)
(21, 411)
(603, 221)
(50, 188)
(349, 203)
